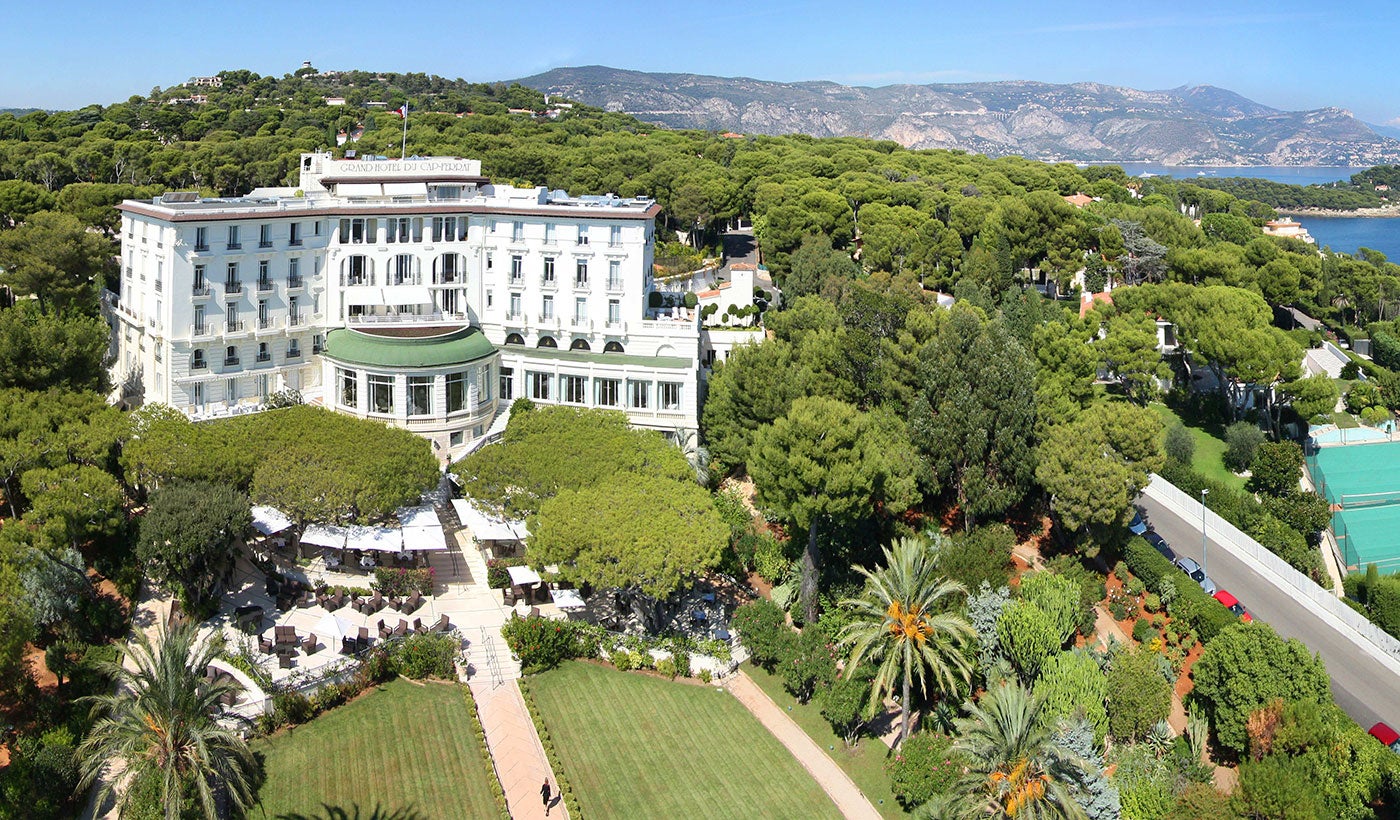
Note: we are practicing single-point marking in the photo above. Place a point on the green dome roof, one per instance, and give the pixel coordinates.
(381, 348)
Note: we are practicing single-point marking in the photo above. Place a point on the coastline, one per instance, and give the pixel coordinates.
(1387, 211)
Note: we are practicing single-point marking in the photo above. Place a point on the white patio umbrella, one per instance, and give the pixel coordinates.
(333, 628)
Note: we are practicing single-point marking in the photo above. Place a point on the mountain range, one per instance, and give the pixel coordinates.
(1086, 122)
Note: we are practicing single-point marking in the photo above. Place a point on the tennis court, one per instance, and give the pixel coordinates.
(1364, 480)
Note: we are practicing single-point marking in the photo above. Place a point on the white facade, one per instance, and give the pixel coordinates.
(440, 295)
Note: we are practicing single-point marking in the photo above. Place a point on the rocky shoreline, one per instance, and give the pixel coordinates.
(1385, 211)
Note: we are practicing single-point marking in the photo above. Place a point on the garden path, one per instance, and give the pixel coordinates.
(832, 778)
(515, 749)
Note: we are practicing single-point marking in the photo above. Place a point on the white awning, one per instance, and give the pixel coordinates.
(523, 575)
(379, 539)
(487, 527)
(269, 520)
(421, 539)
(405, 189)
(407, 295)
(364, 295)
(324, 535)
(420, 516)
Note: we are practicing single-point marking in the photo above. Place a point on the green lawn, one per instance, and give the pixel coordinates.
(865, 763)
(1345, 420)
(402, 746)
(637, 746)
(1210, 449)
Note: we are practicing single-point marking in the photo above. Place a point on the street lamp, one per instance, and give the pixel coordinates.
(1204, 492)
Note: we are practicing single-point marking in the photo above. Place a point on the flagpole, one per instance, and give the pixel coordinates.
(403, 147)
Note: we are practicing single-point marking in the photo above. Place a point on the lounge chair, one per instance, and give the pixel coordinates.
(395, 604)
(306, 600)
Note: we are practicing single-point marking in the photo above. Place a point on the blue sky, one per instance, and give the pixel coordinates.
(1288, 55)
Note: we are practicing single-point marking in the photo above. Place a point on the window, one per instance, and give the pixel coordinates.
(197, 394)
(670, 395)
(264, 236)
(199, 320)
(403, 273)
(456, 392)
(201, 286)
(294, 273)
(349, 387)
(547, 308)
(358, 231)
(583, 234)
(638, 394)
(507, 383)
(490, 262)
(358, 271)
(316, 228)
(294, 237)
(230, 356)
(233, 238)
(263, 321)
(318, 343)
(490, 299)
(514, 312)
(231, 390)
(614, 312)
(264, 355)
(445, 228)
(539, 386)
(615, 236)
(548, 272)
(549, 233)
(608, 390)
(405, 229)
(231, 316)
(614, 274)
(201, 239)
(381, 393)
(456, 438)
(420, 395)
(581, 273)
(575, 389)
(264, 275)
(517, 269)
(159, 356)
(483, 383)
(197, 360)
(517, 231)
(580, 310)
(293, 349)
(231, 284)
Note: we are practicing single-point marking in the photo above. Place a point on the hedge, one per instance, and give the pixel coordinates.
(1205, 614)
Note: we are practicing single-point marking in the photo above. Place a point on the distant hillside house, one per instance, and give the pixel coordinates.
(206, 82)
(1288, 229)
(1079, 199)
(335, 101)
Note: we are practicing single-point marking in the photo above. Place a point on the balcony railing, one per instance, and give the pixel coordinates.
(296, 320)
(265, 243)
(295, 281)
(233, 287)
(199, 364)
(200, 290)
(408, 319)
(580, 284)
(230, 361)
(160, 285)
(234, 246)
(549, 284)
(264, 285)
(580, 321)
(204, 329)
(264, 358)
(293, 353)
(234, 327)
(266, 324)
(201, 247)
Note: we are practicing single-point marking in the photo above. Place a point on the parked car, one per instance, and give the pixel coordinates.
(1193, 569)
(1137, 526)
(1386, 735)
(1233, 604)
(1160, 544)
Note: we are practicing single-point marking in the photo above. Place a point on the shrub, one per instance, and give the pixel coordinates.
(1135, 586)
(925, 767)
(393, 582)
(1138, 695)
(542, 643)
(1072, 682)
(1241, 440)
(667, 667)
(1143, 631)
(640, 660)
(621, 659)
(497, 576)
(1205, 614)
(1118, 610)
(769, 560)
(1152, 602)
(843, 703)
(705, 676)
(810, 665)
(1277, 466)
(983, 555)
(763, 629)
(427, 656)
(291, 708)
(1180, 444)
(690, 300)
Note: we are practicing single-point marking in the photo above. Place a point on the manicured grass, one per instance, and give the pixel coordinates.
(1208, 459)
(1345, 420)
(402, 746)
(865, 763)
(637, 746)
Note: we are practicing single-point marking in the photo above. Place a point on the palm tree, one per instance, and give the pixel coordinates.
(162, 722)
(1016, 768)
(900, 623)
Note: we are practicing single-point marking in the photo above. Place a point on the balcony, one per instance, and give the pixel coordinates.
(407, 319)
(265, 243)
(293, 353)
(200, 291)
(160, 286)
(230, 361)
(264, 285)
(199, 364)
(294, 281)
(296, 320)
(581, 284)
(614, 285)
(580, 322)
(231, 328)
(233, 287)
(549, 284)
(616, 325)
(201, 247)
(516, 316)
(204, 330)
(264, 358)
(266, 325)
(234, 246)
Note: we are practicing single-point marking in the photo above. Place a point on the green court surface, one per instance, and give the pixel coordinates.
(1365, 480)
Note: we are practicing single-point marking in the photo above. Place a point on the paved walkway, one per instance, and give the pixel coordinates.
(832, 778)
(515, 749)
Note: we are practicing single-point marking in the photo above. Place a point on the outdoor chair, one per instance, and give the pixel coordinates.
(442, 624)
(229, 698)
(358, 604)
(418, 626)
(384, 631)
(534, 612)
(284, 660)
(284, 635)
(411, 605)
(395, 604)
(363, 639)
(508, 594)
(402, 629)
(338, 600)
(375, 604)
(348, 646)
(308, 645)
(265, 645)
(307, 599)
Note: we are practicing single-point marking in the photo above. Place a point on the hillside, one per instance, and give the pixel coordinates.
(1197, 125)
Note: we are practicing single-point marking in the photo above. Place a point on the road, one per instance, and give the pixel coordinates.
(1365, 688)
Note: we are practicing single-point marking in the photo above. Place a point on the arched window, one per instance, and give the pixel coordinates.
(612, 347)
(548, 341)
(580, 344)
(515, 339)
(230, 355)
(197, 361)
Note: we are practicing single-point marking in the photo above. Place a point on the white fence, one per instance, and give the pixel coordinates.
(1346, 621)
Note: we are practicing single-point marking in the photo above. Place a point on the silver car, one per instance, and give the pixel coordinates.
(1193, 569)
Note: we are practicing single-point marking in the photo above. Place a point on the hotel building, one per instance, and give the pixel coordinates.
(412, 291)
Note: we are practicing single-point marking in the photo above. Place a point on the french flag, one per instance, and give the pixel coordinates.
(402, 111)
